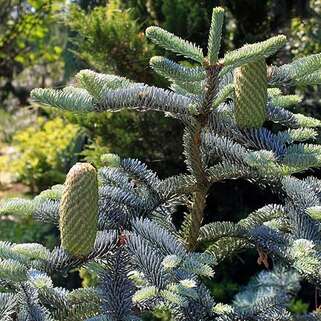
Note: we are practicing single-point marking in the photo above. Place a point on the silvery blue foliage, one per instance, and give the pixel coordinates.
(141, 259)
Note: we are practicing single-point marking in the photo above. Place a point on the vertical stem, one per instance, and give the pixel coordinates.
(211, 87)
(199, 203)
(193, 154)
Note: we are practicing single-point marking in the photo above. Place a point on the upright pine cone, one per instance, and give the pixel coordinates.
(78, 210)
(251, 94)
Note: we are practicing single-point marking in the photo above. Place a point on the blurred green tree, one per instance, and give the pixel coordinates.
(109, 39)
(27, 37)
(97, 40)
(89, 4)
(44, 152)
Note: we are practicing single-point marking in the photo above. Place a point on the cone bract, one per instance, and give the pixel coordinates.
(78, 210)
(251, 94)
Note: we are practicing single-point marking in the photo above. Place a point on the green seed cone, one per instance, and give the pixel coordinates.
(78, 210)
(251, 94)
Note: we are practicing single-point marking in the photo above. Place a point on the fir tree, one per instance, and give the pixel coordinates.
(142, 259)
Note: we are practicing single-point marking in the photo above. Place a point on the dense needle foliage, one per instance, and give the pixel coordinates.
(142, 260)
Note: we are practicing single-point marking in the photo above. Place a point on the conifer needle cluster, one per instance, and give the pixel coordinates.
(116, 221)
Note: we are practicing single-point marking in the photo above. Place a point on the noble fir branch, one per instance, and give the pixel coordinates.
(70, 98)
(302, 67)
(306, 121)
(17, 206)
(174, 71)
(253, 52)
(214, 40)
(313, 78)
(286, 100)
(139, 97)
(173, 43)
(93, 82)
(303, 71)
(223, 94)
(117, 221)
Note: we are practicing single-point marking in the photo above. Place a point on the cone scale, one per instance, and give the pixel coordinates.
(251, 94)
(78, 210)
